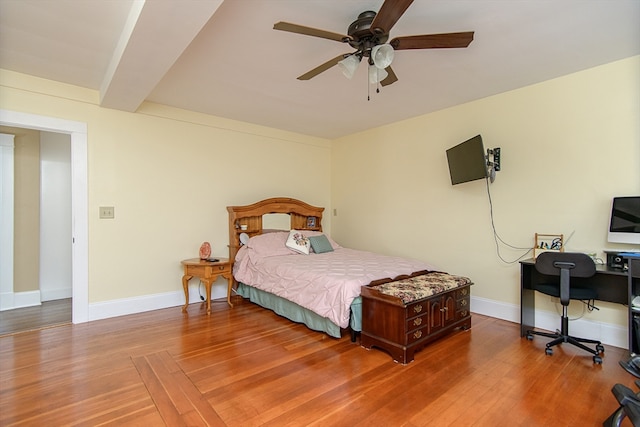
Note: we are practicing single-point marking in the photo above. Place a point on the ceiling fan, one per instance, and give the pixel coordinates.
(368, 35)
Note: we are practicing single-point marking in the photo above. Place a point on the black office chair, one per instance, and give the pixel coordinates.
(629, 402)
(567, 265)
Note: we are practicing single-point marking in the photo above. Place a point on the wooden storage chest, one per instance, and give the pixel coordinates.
(402, 316)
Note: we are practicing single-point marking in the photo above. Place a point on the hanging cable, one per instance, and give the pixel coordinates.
(497, 238)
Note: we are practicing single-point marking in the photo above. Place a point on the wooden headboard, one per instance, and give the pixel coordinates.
(303, 217)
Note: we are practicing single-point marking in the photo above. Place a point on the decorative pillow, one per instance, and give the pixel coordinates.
(320, 244)
(310, 233)
(298, 242)
(270, 244)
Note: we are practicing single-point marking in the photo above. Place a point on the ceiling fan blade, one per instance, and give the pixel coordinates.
(391, 78)
(308, 31)
(388, 15)
(319, 69)
(433, 41)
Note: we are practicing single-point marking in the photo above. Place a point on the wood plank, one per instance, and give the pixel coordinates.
(46, 315)
(160, 395)
(177, 398)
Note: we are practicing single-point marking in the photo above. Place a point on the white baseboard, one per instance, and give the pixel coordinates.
(124, 306)
(607, 333)
(11, 300)
(56, 294)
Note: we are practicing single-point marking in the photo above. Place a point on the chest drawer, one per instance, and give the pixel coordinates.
(464, 292)
(417, 335)
(417, 322)
(463, 303)
(416, 309)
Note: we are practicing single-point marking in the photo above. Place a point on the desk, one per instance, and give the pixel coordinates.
(612, 285)
(208, 272)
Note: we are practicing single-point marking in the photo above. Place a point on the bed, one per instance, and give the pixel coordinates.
(299, 272)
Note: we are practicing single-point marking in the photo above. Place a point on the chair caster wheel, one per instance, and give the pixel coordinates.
(530, 337)
(597, 360)
(600, 348)
(548, 351)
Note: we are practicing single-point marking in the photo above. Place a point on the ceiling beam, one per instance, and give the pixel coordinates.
(155, 35)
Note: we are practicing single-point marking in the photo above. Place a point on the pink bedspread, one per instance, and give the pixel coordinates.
(324, 283)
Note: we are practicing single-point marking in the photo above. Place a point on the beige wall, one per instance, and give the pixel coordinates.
(26, 248)
(568, 146)
(170, 175)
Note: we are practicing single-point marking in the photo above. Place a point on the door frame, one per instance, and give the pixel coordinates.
(79, 199)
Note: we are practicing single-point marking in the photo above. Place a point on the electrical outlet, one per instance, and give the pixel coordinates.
(107, 212)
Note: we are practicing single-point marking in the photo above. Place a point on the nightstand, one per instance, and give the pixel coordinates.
(208, 272)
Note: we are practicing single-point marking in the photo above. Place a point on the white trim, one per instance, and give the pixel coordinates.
(79, 198)
(125, 306)
(497, 309)
(37, 122)
(79, 228)
(7, 300)
(22, 299)
(56, 294)
(608, 333)
(7, 189)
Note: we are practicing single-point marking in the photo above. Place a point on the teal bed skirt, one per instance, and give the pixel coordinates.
(296, 313)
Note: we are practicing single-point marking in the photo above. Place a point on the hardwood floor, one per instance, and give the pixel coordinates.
(48, 314)
(245, 366)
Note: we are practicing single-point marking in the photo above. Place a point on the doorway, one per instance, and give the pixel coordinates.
(36, 289)
(77, 132)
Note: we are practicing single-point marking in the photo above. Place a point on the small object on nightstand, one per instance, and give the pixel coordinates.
(205, 250)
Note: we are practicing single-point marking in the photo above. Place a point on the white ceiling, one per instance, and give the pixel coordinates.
(224, 58)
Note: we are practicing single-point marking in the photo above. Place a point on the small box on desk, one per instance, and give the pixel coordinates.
(620, 259)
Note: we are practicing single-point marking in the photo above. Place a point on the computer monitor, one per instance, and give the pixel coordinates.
(624, 222)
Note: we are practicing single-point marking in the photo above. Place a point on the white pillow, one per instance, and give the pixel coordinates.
(298, 242)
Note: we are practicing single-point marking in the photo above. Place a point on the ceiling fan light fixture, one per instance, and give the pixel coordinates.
(382, 55)
(349, 65)
(376, 75)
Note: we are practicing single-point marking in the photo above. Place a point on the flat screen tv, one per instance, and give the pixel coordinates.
(624, 223)
(467, 161)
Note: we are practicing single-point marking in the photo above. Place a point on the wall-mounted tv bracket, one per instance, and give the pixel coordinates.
(495, 153)
(493, 162)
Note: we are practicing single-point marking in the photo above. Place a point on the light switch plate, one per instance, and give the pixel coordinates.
(107, 212)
